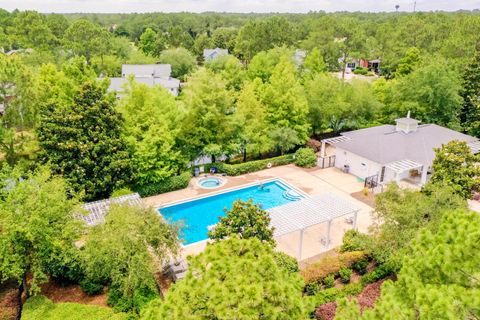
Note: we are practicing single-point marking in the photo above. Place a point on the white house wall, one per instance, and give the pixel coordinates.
(359, 166)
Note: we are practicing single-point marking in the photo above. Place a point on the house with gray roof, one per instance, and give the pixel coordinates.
(149, 74)
(147, 70)
(210, 54)
(385, 153)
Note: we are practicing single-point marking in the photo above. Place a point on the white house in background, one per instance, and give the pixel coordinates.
(385, 153)
(149, 74)
(210, 54)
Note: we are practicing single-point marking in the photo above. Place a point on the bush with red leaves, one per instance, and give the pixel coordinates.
(326, 311)
(369, 295)
(314, 144)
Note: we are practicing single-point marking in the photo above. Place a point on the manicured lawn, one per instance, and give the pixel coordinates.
(42, 308)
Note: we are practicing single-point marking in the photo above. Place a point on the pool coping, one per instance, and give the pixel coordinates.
(214, 193)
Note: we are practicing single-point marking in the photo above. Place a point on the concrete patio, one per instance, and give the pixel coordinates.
(311, 181)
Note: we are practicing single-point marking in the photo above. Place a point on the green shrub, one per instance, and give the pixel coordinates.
(312, 289)
(330, 265)
(380, 272)
(39, 307)
(122, 303)
(305, 157)
(251, 166)
(345, 274)
(354, 241)
(90, 286)
(360, 70)
(352, 289)
(120, 192)
(360, 266)
(332, 294)
(170, 184)
(286, 262)
(329, 281)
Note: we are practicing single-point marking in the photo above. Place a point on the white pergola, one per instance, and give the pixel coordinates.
(98, 210)
(474, 146)
(300, 215)
(402, 166)
(332, 141)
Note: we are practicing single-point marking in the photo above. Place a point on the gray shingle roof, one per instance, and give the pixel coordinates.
(382, 144)
(212, 53)
(98, 210)
(117, 84)
(147, 70)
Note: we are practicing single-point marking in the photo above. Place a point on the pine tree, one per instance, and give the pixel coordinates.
(233, 279)
(439, 278)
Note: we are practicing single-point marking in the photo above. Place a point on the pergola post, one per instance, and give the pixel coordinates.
(300, 245)
(355, 220)
(328, 233)
(322, 150)
(423, 179)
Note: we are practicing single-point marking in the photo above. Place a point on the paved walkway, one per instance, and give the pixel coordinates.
(311, 181)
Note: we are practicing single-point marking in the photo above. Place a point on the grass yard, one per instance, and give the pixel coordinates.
(40, 307)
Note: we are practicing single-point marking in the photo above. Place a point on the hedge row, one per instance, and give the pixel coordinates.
(251, 166)
(170, 184)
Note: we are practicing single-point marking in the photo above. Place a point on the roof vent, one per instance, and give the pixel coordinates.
(407, 124)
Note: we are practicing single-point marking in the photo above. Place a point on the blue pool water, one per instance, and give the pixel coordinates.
(197, 215)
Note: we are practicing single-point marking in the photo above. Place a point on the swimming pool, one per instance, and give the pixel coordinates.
(196, 215)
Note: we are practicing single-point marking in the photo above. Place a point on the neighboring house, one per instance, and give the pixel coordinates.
(210, 54)
(352, 64)
(385, 153)
(147, 70)
(18, 51)
(149, 74)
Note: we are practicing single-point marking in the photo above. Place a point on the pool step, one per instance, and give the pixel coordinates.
(292, 195)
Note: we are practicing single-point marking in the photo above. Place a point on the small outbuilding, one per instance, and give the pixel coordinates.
(385, 153)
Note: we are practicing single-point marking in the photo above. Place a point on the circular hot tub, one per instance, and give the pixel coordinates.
(211, 182)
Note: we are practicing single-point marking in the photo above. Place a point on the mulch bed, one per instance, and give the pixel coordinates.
(9, 302)
(72, 293)
(368, 199)
(366, 299)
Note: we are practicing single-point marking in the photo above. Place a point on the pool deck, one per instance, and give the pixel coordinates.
(311, 181)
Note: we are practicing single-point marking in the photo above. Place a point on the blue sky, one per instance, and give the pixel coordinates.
(234, 5)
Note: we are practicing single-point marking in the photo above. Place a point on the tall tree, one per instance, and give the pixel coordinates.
(37, 227)
(314, 64)
(456, 166)
(87, 39)
(409, 62)
(147, 42)
(438, 279)
(244, 220)
(207, 128)
(248, 285)
(285, 100)
(256, 36)
(152, 124)
(251, 119)
(399, 214)
(432, 93)
(470, 113)
(82, 141)
(127, 250)
(181, 60)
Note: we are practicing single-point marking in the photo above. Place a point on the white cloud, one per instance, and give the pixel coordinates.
(67, 6)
